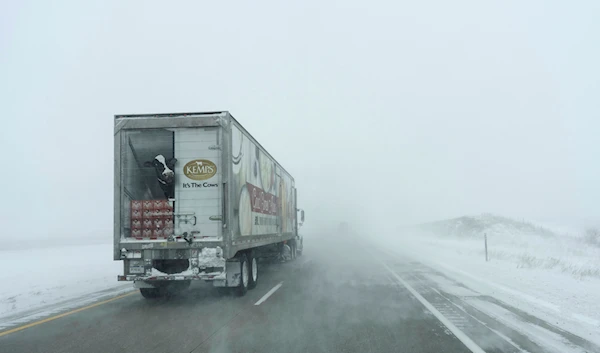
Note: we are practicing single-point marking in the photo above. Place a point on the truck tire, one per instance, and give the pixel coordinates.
(242, 288)
(151, 293)
(253, 278)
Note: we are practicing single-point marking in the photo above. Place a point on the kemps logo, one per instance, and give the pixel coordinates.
(200, 169)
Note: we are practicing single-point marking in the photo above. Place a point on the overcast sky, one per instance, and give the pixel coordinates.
(384, 112)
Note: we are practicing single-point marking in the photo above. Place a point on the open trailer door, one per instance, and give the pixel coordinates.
(171, 184)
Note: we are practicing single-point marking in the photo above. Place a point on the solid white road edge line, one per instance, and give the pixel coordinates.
(269, 293)
(455, 330)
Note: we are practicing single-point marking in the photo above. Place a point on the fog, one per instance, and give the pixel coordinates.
(385, 113)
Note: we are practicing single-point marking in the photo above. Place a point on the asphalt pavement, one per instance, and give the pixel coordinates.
(338, 297)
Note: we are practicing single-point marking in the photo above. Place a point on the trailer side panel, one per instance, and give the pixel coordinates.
(261, 194)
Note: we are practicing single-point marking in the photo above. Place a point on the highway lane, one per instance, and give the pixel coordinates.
(346, 300)
(338, 303)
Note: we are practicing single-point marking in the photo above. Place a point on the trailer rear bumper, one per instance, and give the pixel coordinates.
(227, 276)
(205, 277)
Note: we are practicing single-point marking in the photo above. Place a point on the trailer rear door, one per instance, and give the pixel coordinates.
(198, 182)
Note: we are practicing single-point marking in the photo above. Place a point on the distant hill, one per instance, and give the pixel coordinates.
(492, 225)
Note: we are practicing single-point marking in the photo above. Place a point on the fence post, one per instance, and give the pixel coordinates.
(486, 252)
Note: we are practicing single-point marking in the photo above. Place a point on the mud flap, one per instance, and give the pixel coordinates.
(286, 253)
(234, 274)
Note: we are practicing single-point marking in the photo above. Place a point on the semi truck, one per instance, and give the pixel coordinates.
(197, 198)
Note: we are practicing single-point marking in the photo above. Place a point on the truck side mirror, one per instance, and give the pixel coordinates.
(302, 216)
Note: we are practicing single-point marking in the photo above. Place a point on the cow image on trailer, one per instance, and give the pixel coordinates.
(164, 173)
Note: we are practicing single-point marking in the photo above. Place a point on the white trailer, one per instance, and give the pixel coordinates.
(198, 198)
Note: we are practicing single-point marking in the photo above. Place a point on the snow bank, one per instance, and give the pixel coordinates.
(36, 278)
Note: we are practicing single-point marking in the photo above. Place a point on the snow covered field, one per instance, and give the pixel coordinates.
(524, 244)
(42, 278)
(550, 276)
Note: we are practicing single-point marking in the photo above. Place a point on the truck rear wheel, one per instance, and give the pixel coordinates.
(151, 293)
(253, 280)
(244, 276)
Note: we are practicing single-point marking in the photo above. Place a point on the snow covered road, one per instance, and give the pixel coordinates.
(565, 300)
(516, 319)
(356, 299)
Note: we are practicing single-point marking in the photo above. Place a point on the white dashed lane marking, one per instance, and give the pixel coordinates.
(269, 293)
